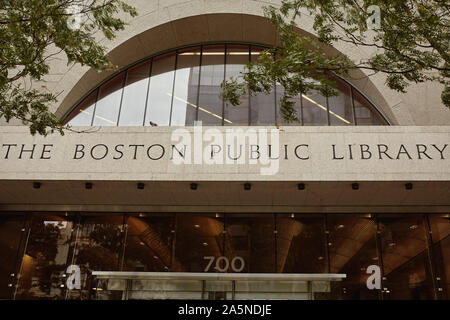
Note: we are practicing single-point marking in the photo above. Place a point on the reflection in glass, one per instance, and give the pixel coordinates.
(99, 248)
(134, 95)
(212, 71)
(149, 243)
(197, 236)
(237, 58)
(185, 87)
(363, 111)
(184, 109)
(108, 102)
(252, 238)
(297, 107)
(82, 114)
(262, 105)
(341, 109)
(160, 92)
(45, 259)
(301, 244)
(314, 109)
(440, 236)
(11, 241)
(406, 260)
(352, 249)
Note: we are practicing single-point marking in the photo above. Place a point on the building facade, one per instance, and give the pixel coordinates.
(162, 191)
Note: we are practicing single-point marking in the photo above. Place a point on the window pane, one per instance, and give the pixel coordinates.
(46, 256)
(149, 243)
(82, 115)
(10, 244)
(301, 244)
(160, 92)
(352, 249)
(252, 238)
(364, 113)
(197, 236)
(406, 257)
(135, 96)
(297, 108)
(262, 105)
(108, 103)
(184, 108)
(314, 109)
(341, 110)
(440, 228)
(99, 248)
(212, 75)
(237, 59)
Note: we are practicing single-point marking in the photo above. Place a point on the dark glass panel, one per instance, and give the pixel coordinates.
(47, 254)
(99, 247)
(11, 243)
(160, 92)
(406, 259)
(252, 238)
(365, 113)
(184, 108)
(212, 75)
(135, 95)
(237, 59)
(301, 244)
(262, 105)
(82, 114)
(108, 102)
(341, 109)
(149, 243)
(297, 107)
(197, 236)
(352, 249)
(314, 109)
(440, 228)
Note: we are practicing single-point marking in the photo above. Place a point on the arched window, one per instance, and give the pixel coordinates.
(183, 86)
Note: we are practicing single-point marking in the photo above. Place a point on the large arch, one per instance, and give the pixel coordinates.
(205, 28)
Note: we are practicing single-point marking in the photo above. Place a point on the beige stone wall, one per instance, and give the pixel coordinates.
(393, 153)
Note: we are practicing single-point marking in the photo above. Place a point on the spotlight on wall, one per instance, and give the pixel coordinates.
(140, 185)
(88, 185)
(36, 185)
(194, 186)
(301, 186)
(247, 186)
(355, 186)
(408, 186)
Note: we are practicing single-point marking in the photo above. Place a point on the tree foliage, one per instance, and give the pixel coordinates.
(32, 32)
(410, 40)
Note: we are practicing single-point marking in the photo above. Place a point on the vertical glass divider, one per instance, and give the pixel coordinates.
(148, 90)
(173, 87)
(124, 82)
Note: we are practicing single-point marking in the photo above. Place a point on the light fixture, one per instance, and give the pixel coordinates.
(320, 258)
(340, 226)
(355, 186)
(205, 244)
(197, 226)
(413, 227)
(194, 186)
(292, 216)
(140, 185)
(36, 185)
(88, 185)
(301, 186)
(247, 186)
(408, 186)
